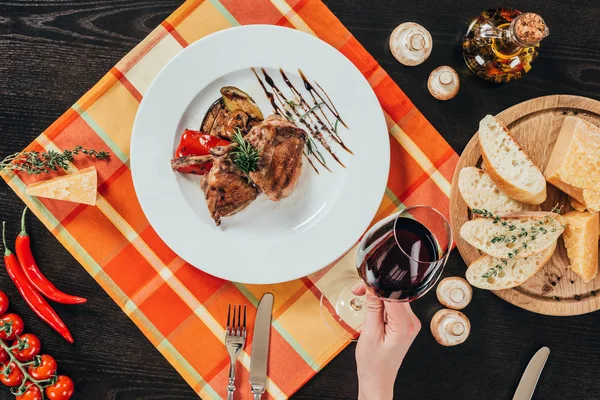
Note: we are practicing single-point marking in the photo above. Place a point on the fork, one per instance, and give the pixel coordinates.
(235, 340)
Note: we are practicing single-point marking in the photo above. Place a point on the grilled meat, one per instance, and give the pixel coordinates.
(280, 145)
(186, 161)
(226, 189)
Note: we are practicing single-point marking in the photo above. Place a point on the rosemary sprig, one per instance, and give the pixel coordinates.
(311, 110)
(244, 156)
(311, 148)
(292, 103)
(35, 163)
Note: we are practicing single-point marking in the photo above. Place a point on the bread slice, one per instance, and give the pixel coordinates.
(575, 159)
(581, 242)
(479, 192)
(507, 164)
(514, 235)
(496, 274)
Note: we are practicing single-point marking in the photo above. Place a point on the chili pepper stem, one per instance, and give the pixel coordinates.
(7, 251)
(23, 229)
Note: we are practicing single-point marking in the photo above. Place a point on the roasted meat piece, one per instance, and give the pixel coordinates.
(280, 145)
(226, 189)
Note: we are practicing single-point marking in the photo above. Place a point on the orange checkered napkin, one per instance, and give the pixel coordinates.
(180, 309)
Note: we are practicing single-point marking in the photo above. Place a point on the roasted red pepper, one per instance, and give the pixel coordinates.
(196, 143)
(33, 273)
(35, 300)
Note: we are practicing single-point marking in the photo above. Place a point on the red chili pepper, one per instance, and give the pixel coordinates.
(33, 273)
(35, 300)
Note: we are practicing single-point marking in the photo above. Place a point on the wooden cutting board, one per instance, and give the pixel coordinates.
(555, 289)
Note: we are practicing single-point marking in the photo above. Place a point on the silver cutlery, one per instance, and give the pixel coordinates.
(260, 346)
(235, 340)
(531, 375)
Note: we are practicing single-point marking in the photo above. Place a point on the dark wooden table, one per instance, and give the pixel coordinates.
(53, 51)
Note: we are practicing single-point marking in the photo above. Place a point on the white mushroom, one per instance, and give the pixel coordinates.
(450, 327)
(454, 292)
(410, 43)
(443, 83)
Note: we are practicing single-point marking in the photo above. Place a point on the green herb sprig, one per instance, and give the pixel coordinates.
(318, 105)
(311, 148)
(495, 270)
(35, 163)
(538, 229)
(244, 156)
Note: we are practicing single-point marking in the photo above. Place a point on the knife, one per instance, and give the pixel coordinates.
(531, 375)
(260, 346)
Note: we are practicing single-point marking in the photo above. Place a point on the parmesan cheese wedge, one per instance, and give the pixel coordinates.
(574, 164)
(592, 200)
(581, 242)
(576, 204)
(80, 187)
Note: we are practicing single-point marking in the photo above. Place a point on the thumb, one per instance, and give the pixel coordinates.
(374, 326)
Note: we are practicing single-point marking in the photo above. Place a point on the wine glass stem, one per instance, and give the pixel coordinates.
(357, 303)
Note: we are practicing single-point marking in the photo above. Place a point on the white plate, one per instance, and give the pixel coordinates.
(267, 242)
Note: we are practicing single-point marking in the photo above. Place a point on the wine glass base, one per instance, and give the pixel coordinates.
(342, 311)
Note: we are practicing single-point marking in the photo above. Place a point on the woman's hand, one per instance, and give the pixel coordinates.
(387, 334)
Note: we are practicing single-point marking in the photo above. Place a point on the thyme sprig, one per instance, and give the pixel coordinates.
(311, 148)
(244, 156)
(539, 228)
(35, 162)
(495, 270)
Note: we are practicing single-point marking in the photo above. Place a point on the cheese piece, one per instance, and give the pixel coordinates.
(576, 204)
(575, 160)
(581, 242)
(592, 200)
(80, 187)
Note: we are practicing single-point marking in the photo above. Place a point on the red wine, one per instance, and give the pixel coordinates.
(385, 264)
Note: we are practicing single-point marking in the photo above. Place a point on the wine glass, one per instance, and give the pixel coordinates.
(399, 259)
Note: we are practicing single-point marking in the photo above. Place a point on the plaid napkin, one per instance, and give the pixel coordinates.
(180, 309)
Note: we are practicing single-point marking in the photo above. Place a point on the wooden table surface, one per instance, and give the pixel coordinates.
(53, 51)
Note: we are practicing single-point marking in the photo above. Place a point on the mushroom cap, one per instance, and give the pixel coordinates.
(411, 44)
(450, 327)
(454, 292)
(443, 83)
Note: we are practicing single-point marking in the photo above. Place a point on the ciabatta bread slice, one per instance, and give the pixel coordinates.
(507, 164)
(497, 274)
(514, 235)
(479, 192)
(581, 242)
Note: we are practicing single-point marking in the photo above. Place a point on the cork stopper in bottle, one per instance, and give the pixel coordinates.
(530, 28)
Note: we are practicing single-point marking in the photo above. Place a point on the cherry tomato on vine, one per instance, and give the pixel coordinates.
(29, 347)
(3, 356)
(62, 390)
(11, 376)
(32, 393)
(45, 370)
(3, 303)
(12, 325)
